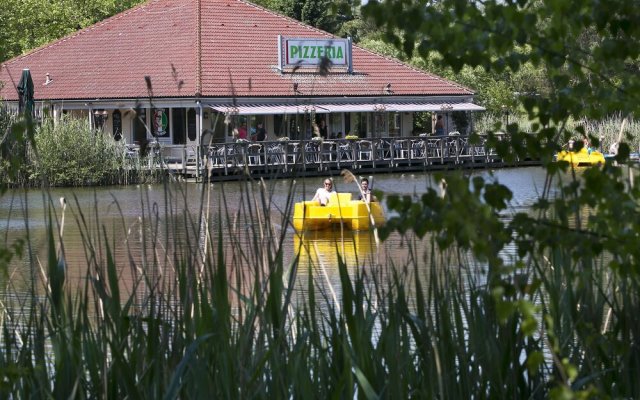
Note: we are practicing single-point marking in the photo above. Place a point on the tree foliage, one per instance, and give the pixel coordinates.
(27, 24)
(569, 60)
(588, 49)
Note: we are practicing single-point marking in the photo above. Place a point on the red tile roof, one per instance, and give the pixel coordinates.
(238, 57)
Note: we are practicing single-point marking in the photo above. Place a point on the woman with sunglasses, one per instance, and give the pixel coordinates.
(323, 193)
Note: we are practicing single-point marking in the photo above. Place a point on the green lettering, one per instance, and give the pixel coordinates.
(294, 51)
(339, 55)
(320, 51)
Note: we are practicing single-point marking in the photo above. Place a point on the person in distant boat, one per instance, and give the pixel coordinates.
(323, 193)
(365, 192)
(587, 145)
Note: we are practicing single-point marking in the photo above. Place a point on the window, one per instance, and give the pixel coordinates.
(178, 122)
(140, 126)
(117, 125)
(359, 124)
(395, 127)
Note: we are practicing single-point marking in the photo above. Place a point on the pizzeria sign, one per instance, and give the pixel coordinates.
(310, 52)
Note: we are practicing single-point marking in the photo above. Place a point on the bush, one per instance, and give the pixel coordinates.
(71, 154)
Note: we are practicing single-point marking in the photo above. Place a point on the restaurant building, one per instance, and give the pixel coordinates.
(191, 72)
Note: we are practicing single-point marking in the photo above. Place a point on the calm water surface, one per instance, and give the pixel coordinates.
(123, 213)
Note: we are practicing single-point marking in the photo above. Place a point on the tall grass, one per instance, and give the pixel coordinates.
(214, 311)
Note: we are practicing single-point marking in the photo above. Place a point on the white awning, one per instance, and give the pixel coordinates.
(262, 109)
(279, 108)
(354, 107)
(403, 107)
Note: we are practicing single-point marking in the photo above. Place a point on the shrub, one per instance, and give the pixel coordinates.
(71, 154)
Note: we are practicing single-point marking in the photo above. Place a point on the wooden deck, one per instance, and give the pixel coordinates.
(280, 159)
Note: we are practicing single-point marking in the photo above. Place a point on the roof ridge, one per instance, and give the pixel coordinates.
(77, 33)
(436, 77)
(397, 61)
(198, 92)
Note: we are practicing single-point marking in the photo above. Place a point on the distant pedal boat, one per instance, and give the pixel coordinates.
(341, 209)
(581, 157)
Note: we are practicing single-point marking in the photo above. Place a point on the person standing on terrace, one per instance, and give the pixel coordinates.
(242, 132)
(439, 126)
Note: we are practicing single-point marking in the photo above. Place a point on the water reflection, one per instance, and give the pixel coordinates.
(169, 218)
(325, 248)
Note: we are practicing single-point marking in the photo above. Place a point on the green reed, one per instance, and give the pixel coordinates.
(211, 309)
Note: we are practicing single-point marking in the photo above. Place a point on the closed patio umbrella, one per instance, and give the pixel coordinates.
(25, 91)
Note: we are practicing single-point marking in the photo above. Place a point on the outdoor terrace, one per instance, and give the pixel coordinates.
(284, 158)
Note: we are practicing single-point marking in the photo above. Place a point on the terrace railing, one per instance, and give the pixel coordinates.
(321, 155)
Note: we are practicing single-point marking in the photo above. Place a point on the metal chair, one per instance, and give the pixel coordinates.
(345, 151)
(328, 151)
(292, 152)
(383, 150)
(312, 152)
(401, 149)
(365, 150)
(417, 149)
(275, 154)
(434, 148)
(254, 154)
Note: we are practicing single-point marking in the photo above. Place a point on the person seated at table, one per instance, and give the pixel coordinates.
(365, 192)
(323, 193)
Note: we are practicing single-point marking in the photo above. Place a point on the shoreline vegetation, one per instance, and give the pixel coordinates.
(69, 154)
(213, 315)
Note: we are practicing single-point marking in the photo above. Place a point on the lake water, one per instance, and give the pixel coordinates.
(148, 224)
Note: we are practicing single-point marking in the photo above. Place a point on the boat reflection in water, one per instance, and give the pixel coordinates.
(325, 246)
(319, 254)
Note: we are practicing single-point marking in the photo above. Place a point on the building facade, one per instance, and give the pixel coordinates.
(192, 72)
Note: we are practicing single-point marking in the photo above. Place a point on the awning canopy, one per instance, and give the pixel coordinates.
(268, 109)
(323, 108)
(402, 107)
(432, 107)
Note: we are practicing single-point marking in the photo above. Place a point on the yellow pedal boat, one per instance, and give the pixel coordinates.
(581, 157)
(341, 209)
